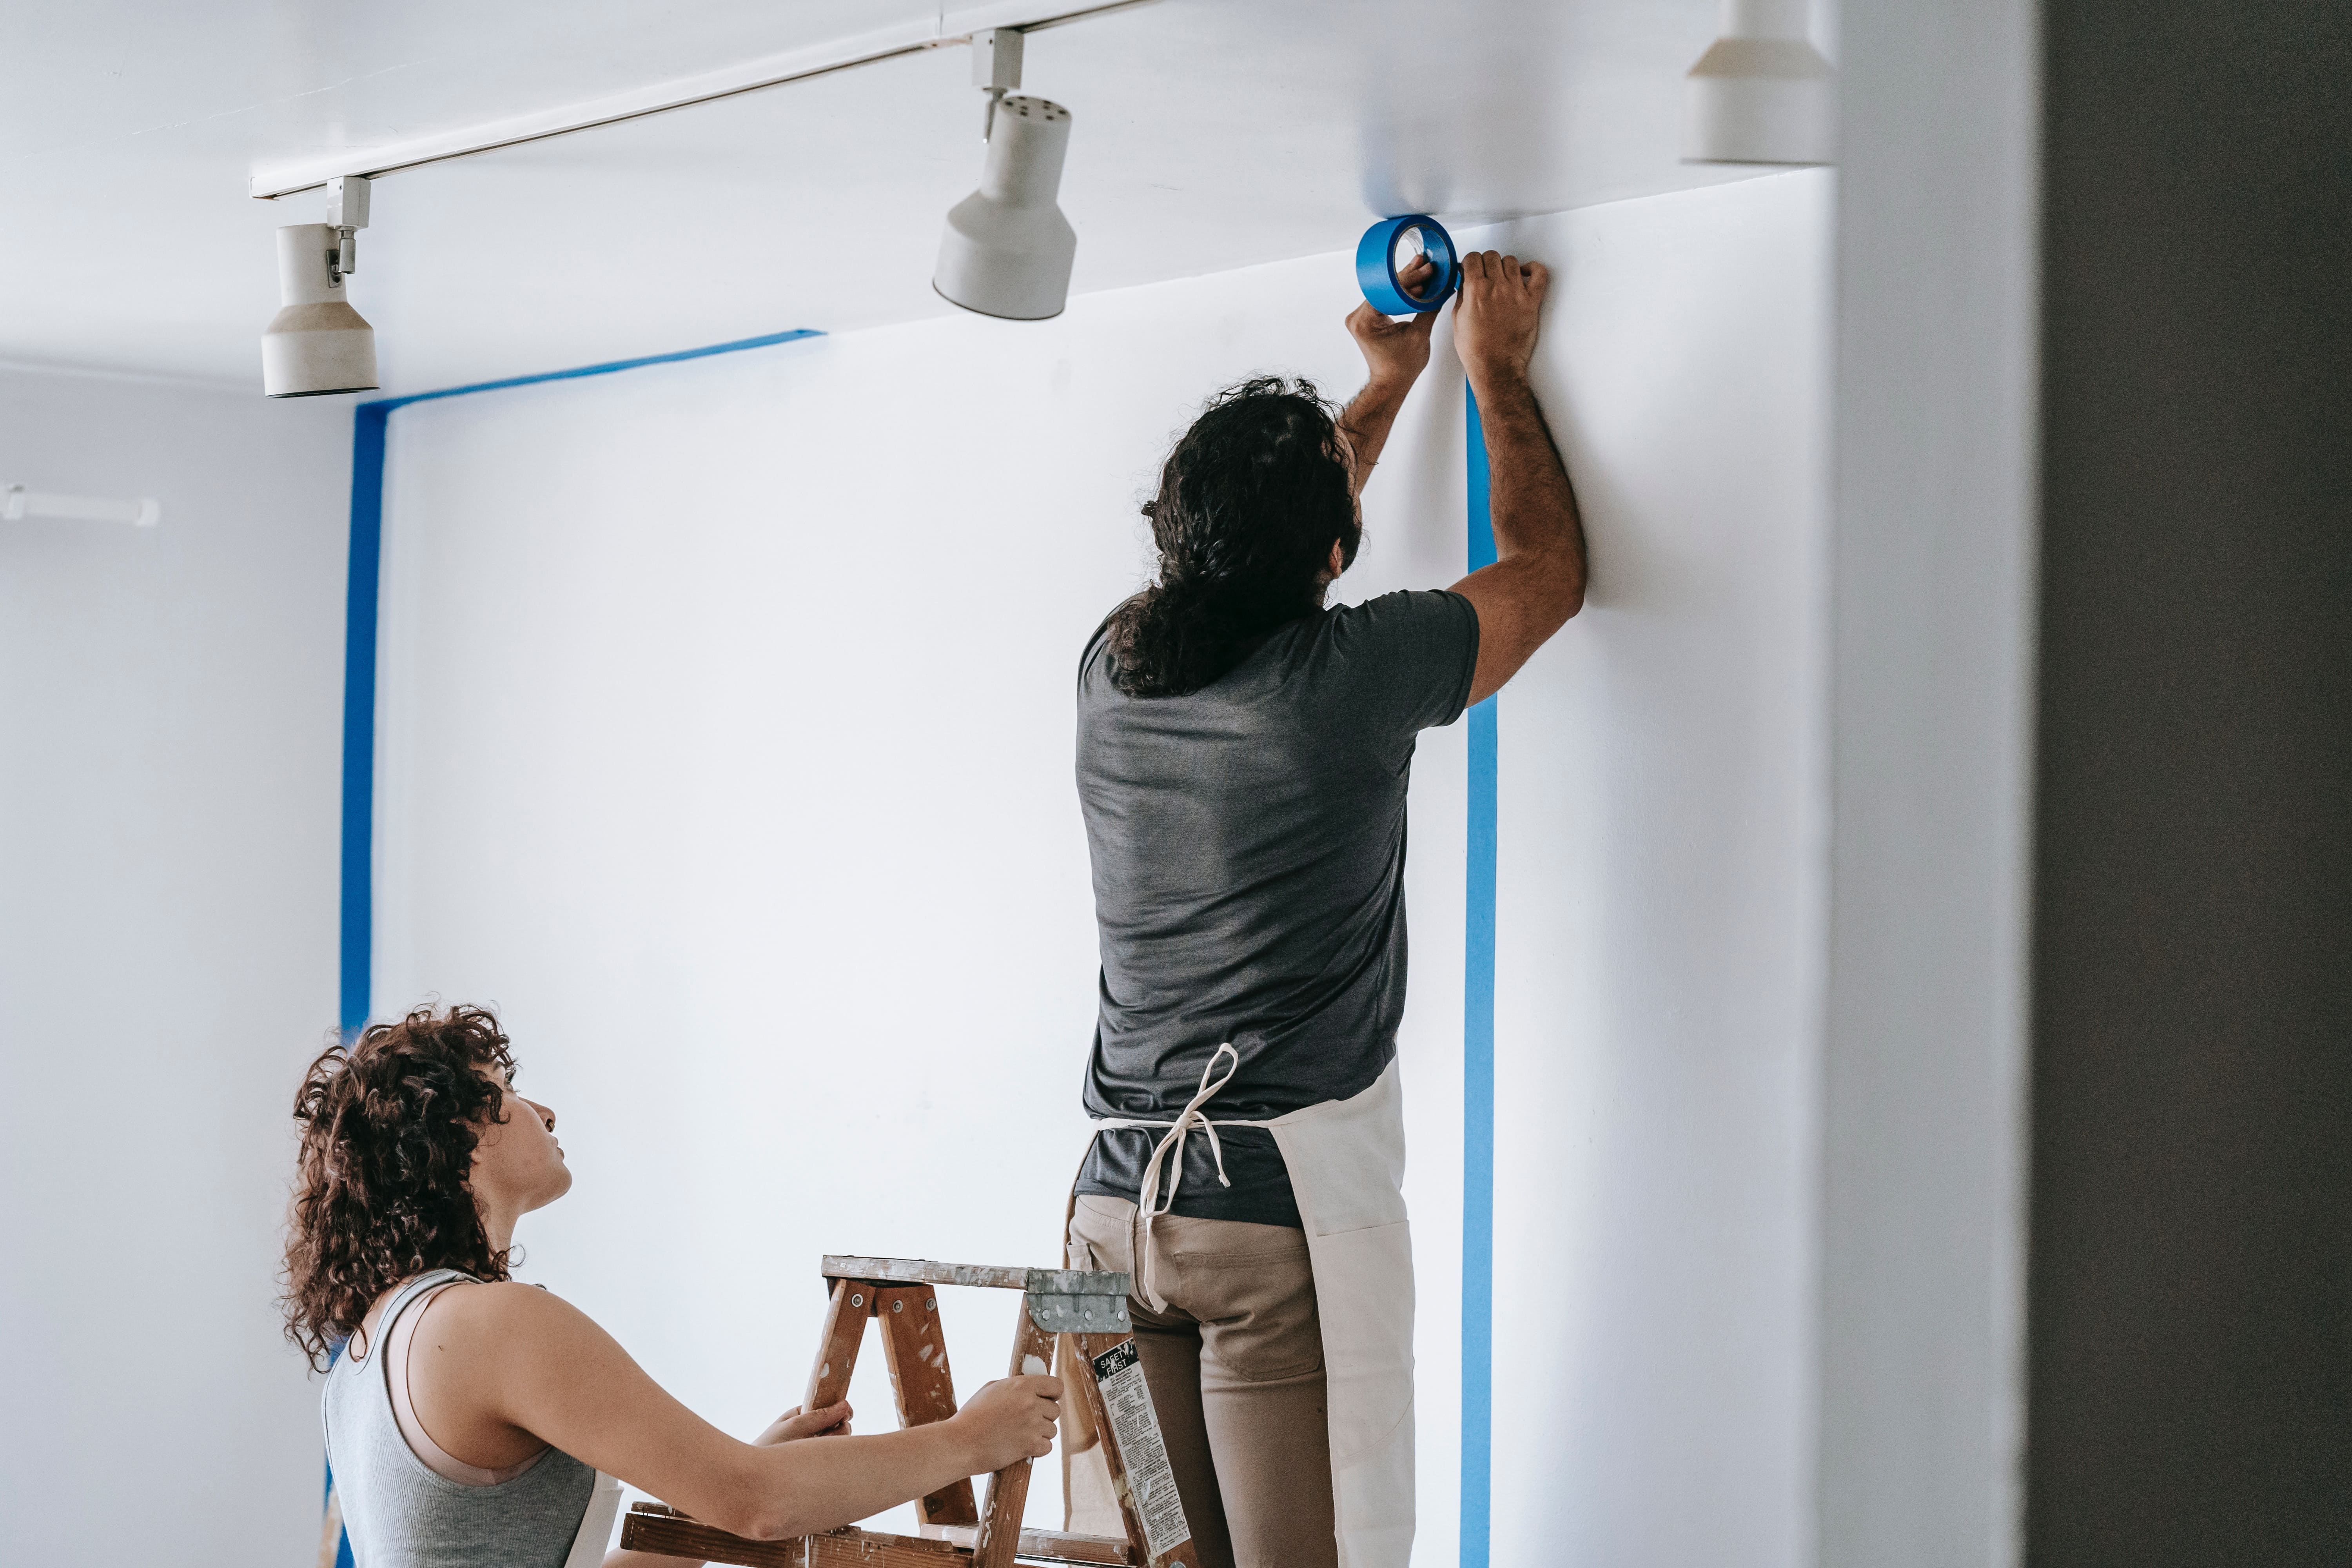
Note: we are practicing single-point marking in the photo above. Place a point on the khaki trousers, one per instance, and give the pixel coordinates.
(1235, 1368)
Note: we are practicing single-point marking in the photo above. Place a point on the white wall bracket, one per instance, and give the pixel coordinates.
(17, 502)
(347, 214)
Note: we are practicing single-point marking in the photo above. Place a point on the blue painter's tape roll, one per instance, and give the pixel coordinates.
(1376, 265)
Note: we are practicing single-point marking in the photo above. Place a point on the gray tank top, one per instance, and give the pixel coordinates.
(400, 1514)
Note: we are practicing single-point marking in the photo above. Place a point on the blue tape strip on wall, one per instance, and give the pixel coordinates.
(1478, 1063)
(1376, 265)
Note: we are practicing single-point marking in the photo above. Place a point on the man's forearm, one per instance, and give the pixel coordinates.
(1367, 419)
(1529, 500)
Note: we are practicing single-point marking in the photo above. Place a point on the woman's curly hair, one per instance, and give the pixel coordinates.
(1251, 500)
(389, 1125)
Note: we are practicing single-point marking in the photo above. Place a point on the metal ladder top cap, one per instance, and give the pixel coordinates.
(926, 1271)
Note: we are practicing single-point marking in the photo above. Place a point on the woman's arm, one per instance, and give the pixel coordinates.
(787, 1427)
(494, 1370)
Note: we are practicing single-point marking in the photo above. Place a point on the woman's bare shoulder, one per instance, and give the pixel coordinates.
(506, 1306)
(499, 1342)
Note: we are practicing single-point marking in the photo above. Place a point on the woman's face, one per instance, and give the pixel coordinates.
(518, 1164)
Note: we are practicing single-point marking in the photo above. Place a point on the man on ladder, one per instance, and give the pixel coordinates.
(1242, 759)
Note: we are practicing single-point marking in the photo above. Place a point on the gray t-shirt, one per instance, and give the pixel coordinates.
(1248, 845)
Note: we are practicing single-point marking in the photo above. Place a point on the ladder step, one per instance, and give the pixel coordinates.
(855, 1548)
(1049, 1546)
(650, 1527)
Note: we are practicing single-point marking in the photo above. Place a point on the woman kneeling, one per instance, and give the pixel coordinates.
(467, 1416)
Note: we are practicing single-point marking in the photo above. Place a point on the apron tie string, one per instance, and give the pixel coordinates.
(1187, 1120)
(1150, 1202)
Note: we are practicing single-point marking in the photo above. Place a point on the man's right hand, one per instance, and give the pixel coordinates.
(1496, 315)
(1394, 351)
(1012, 1418)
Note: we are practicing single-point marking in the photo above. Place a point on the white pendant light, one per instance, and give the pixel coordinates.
(1007, 250)
(317, 343)
(1762, 94)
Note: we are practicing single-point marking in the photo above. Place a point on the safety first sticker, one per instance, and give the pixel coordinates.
(1135, 1426)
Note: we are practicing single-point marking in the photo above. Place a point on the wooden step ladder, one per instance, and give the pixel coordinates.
(1103, 1370)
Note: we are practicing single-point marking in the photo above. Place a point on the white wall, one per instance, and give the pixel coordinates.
(726, 744)
(171, 704)
(1924, 1081)
(1659, 900)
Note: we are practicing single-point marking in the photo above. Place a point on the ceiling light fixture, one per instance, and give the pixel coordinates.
(1007, 253)
(317, 343)
(1008, 249)
(1762, 93)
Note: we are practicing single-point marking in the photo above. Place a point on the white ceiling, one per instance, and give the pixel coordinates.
(1209, 134)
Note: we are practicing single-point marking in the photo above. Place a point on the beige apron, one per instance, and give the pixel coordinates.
(1346, 1159)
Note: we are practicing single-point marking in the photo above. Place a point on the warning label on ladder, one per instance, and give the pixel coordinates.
(1135, 1426)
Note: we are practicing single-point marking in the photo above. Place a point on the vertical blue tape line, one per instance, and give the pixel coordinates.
(1478, 1073)
(370, 424)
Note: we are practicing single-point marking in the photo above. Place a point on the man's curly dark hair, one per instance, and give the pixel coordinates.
(389, 1126)
(1250, 502)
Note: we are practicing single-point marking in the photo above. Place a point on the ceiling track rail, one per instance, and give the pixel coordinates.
(751, 75)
